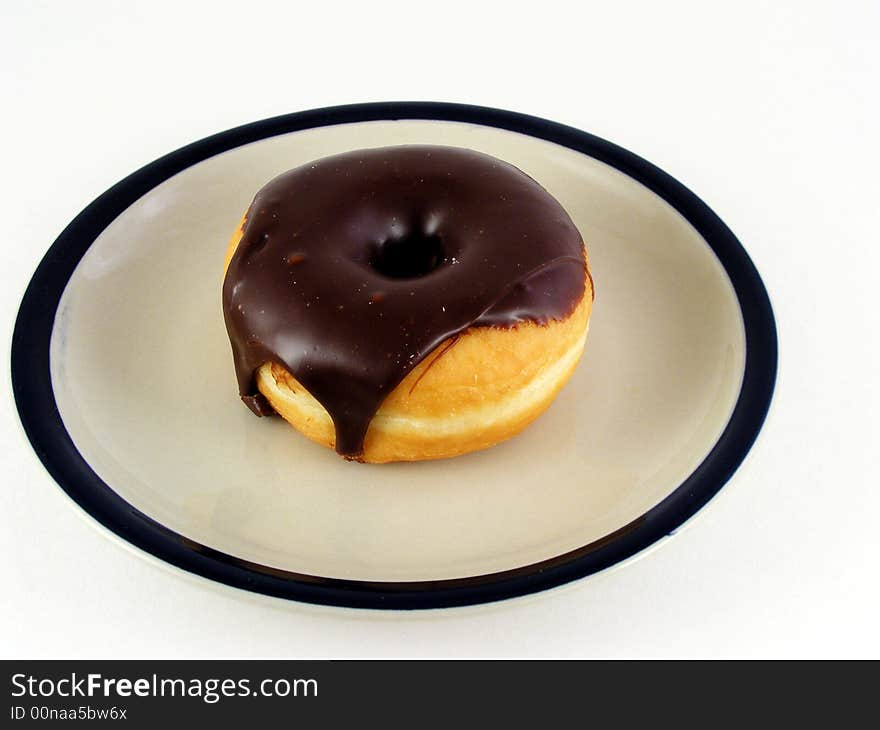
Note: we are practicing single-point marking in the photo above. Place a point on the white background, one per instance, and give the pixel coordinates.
(768, 111)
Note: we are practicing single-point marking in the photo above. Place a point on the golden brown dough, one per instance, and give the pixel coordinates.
(474, 391)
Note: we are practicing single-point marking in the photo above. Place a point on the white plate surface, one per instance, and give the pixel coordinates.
(143, 378)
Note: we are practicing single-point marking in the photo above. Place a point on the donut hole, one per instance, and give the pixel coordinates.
(409, 256)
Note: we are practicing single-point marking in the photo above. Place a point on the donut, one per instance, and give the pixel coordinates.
(405, 303)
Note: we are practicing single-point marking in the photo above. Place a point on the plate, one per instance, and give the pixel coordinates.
(123, 379)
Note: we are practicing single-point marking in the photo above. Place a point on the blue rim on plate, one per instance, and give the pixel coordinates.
(35, 399)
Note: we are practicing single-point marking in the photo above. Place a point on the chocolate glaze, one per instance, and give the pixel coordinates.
(353, 268)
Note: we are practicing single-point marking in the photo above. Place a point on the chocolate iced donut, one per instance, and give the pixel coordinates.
(406, 302)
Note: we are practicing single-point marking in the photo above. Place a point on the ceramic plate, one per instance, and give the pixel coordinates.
(123, 378)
